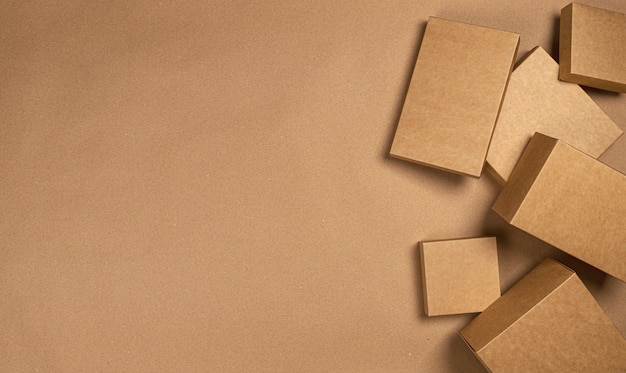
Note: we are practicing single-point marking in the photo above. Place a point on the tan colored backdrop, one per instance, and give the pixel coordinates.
(205, 186)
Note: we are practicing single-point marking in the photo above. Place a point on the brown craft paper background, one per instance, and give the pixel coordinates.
(205, 186)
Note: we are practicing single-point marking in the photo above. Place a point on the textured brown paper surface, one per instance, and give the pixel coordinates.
(205, 186)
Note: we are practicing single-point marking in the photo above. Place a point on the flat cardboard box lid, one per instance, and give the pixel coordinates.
(454, 97)
(591, 47)
(459, 276)
(547, 322)
(569, 200)
(536, 101)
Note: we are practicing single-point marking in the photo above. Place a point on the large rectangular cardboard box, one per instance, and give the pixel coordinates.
(536, 101)
(547, 322)
(570, 200)
(460, 275)
(592, 48)
(454, 96)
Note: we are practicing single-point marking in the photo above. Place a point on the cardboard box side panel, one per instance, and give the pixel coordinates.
(495, 174)
(438, 167)
(424, 283)
(455, 93)
(577, 204)
(475, 354)
(537, 102)
(565, 42)
(523, 176)
(513, 304)
(566, 332)
(594, 82)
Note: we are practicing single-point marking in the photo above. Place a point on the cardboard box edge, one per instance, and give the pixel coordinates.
(510, 199)
(423, 275)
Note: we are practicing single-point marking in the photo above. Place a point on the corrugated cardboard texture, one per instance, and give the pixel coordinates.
(454, 97)
(205, 186)
(591, 46)
(459, 276)
(536, 101)
(570, 200)
(547, 322)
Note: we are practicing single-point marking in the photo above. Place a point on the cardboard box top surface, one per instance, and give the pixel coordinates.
(548, 321)
(536, 101)
(459, 276)
(592, 47)
(454, 97)
(569, 200)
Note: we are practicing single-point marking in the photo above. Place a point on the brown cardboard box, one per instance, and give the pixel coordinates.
(571, 201)
(591, 47)
(204, 186)
(459, 276)
(454, 97)
(536, 101)
(547, 322)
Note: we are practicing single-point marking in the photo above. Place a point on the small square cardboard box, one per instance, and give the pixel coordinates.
(591, 47)
(547, 322)
(454, 96)
(570, 200)
(459, 276)
(536, 101)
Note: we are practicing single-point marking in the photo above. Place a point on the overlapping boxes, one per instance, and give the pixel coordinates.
(547, 322)
(548, 134)
(441, 125)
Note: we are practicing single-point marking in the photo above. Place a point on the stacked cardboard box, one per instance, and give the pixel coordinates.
(536, 101)
(571, 201)
(455, 95)
(554, 187)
